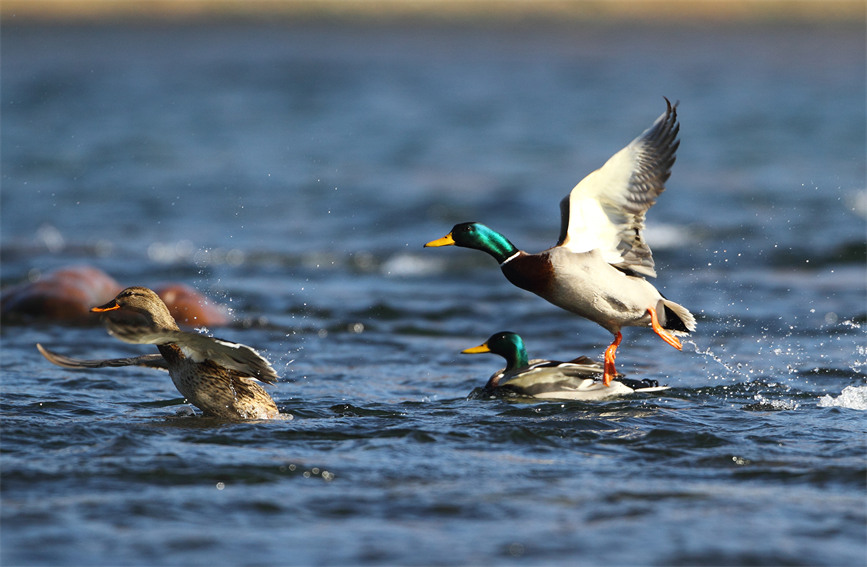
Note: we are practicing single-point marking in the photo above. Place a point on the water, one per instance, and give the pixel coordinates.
(294, 172)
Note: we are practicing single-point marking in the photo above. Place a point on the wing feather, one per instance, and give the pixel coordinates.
(148, 360)
(606, 209)
(241, 358)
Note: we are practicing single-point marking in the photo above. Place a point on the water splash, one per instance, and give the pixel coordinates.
(708, 353)
(859, 364)
(763, 403)
(852, 397)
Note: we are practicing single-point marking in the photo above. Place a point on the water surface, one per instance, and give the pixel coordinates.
(294, 173)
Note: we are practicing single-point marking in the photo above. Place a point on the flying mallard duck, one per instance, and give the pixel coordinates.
(577, 379)
(598, 267)
(218, 377)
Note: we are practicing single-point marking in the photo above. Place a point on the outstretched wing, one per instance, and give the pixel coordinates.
(606, 209)
(148, 360)
(241, 358)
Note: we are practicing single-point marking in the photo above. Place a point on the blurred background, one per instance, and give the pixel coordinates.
(288, 160)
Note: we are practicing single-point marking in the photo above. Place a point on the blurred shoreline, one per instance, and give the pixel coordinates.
(444, 11)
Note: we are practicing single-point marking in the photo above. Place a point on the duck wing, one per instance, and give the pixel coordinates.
(563, 383)
(241, 358)
(548, 371)
(575, 367)
(606, 209)
(148, 360)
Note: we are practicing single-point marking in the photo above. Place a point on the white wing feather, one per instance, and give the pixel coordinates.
(605, 211)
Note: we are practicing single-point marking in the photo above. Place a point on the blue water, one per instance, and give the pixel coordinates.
(293, 172)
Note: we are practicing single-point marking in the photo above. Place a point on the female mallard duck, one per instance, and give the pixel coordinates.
(598, 267)
(219, 377)
(577, 379)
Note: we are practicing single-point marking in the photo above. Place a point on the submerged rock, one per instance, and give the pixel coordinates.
(191, 308)
(67, 294)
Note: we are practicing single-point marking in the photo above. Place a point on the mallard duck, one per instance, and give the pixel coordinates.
(218, 377)
(578, 379)
(599, 266)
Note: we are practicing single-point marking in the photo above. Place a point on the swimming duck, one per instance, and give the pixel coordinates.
(577, 379)
(217, 376)
(598, 267)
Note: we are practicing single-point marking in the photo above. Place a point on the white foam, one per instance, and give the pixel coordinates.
(661, 235)
(776, 405)
(858, 202)
(852, 397)
(406, 264)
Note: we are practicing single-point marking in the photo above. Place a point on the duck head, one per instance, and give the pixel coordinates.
(139, 306)
(506, 344)
(480, 237)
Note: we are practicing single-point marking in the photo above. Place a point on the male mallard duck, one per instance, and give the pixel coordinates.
(577, 379)
(219, 377)
(598, 267)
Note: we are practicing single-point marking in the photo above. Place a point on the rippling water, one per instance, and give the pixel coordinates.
(294, 172)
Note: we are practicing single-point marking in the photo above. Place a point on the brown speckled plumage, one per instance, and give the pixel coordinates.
(218, 377)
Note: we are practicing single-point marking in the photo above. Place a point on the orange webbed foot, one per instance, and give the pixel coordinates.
(610, 354)
(663, 334)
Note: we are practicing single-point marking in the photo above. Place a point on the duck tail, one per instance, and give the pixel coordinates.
(675, 317)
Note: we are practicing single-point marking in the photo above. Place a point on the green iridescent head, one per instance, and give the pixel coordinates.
(478, 236)
(508, 345)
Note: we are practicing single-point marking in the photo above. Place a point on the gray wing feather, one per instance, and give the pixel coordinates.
(148, 360)
(657, 153)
